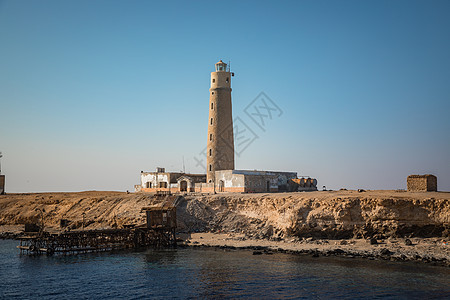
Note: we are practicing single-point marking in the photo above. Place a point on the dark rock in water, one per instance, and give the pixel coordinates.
(373, 241)
(338, 251)
(257, 253)
(258, 248)
(408, 242)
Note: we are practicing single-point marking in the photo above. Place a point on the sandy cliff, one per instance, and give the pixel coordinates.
(333, 214)
(341, 214)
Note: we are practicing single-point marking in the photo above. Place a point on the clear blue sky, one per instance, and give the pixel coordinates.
(93, 92)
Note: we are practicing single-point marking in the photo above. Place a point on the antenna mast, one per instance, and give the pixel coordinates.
(184, 169)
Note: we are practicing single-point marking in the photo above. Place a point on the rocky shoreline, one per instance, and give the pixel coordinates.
(434, 251)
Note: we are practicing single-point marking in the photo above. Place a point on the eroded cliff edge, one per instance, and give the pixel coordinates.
(331, 214)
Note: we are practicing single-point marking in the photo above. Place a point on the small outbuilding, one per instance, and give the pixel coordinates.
(422, 183)
(163, 216)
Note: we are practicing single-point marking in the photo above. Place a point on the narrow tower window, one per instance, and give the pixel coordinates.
(211, 121)
(210, 152)
(210, 137)
(212, 93)
(214, 80)
(228, 79)
(212, 105)
(210, 167)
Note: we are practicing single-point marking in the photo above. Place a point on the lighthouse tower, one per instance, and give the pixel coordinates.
(220, 145)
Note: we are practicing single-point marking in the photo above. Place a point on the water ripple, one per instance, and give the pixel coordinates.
(196, 273)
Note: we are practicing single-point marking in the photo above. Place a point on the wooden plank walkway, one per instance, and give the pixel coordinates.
(97, 240)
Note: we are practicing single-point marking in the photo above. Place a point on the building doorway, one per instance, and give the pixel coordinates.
(183, 186)
(221, 185)
(268, 186)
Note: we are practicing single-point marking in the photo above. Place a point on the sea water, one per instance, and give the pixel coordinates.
(213, 273)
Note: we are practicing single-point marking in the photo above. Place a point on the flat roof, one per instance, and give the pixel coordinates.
(256, 172)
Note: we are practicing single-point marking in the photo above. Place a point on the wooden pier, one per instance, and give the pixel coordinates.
(159, 232)
(96, 240)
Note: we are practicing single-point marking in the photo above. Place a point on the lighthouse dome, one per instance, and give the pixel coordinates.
(221, 66)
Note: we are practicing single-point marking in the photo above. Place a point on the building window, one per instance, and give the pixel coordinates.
(210, 137)
(149, 185)
(163, 184)
(214, 80)
(212, 105)
(210, 152)
(212, 93)
(228, 79)
(211, 121)
(210, 167)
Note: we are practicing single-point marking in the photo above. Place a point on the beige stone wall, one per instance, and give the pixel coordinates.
(220, 142)
(423, 183)
(261, 183)
(234, 190)
(204, 187)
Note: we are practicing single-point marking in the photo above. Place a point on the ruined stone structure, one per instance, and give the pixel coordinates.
(188, 182)
(240, 181)
(422, 183)
(168, 181)
(220, 145)
(245, 181)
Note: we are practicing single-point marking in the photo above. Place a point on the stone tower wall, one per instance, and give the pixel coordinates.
(220, 145)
